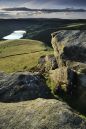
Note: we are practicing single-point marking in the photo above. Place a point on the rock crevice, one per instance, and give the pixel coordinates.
(70, 52)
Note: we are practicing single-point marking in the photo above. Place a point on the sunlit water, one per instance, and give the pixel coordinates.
(36, 14)
(15, 35)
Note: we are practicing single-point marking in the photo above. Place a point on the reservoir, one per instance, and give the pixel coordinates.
(18, 34)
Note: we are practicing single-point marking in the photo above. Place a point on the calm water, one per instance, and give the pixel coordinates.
(15, 35)
(39, 14)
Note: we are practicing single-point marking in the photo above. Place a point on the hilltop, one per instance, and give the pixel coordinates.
(21, 55)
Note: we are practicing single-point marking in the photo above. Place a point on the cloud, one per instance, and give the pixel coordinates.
(43, 3)
(40, 4)
(54, 3)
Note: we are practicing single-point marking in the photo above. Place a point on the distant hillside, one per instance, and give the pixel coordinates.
(39, 29)
(17, 9)
(44, 10)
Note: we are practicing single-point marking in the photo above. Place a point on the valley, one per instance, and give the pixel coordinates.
(42, 74)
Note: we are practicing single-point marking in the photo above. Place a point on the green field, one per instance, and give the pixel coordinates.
(21, 55)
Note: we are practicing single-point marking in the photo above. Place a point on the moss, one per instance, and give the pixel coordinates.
(39, 114)
(48, 65)
(64, 87)
(83, 71)
(82, 116)
(51, 84)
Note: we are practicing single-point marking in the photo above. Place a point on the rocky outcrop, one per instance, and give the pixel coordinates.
(23, 86)
(39, 114)
(46, 63)
(81, 92)
(65, 80)
(69, 45)
(70, 52)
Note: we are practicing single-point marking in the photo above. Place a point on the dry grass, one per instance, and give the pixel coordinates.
(21, 55)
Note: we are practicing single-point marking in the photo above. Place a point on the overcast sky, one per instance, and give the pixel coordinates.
(43, 3)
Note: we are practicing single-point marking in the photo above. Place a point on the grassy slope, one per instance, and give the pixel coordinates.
(75, 26)
(20, 55)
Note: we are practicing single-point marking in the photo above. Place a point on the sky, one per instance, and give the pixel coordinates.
(43, 3)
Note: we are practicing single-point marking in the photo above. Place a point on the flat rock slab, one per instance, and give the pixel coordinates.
(39, 114)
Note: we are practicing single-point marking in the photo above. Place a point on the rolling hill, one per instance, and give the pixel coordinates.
(20, 55)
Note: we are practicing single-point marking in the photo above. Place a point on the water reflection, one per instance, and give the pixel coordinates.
(15, 35)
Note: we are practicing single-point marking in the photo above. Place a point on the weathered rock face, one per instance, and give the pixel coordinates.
(81, 92)
(70, 52)
(70, 86)
(23, 86)
(39, 114)
(46, 63)
(65, 80)
(69, 45)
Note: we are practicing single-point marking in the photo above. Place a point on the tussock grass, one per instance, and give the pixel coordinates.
(21, 55)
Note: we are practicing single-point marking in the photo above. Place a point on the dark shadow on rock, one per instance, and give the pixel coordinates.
(23, 86)
(75, 53)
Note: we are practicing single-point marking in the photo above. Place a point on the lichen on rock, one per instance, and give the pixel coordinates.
(40, 114)
(23, 86)
(69, 45)
(70, 52)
